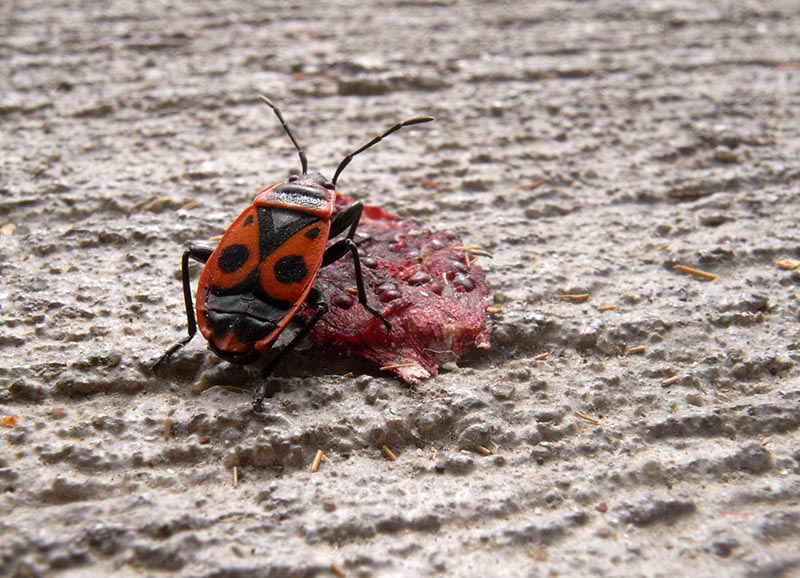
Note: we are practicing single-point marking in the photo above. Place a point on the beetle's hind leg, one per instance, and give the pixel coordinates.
(320, 309)
(201, 254)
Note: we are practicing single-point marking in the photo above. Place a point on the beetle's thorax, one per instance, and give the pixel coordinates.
(308, 193)
(312, 178)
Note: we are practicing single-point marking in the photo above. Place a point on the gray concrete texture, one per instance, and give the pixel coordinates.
(649, 428)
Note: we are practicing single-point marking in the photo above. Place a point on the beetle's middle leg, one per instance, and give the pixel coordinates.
(201, 254)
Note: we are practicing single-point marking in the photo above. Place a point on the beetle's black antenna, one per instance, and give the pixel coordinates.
(303, 159)
(346, 160)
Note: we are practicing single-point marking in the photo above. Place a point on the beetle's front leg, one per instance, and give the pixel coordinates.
(349, 218)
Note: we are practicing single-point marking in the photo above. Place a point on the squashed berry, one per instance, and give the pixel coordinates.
(342, 301)
(435, 301)
(464, 282)
(369, 262)
(419, 278)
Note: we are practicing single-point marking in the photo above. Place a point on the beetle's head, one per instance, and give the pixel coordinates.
(315, 178)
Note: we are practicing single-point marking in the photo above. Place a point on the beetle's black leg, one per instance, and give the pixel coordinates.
(199, 253)
(336, 252)
(321, 308)
(349, 218)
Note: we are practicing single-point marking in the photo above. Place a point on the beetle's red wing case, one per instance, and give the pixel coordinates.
(237, 254)
(257, 278)
(288, 272)
(226, 272)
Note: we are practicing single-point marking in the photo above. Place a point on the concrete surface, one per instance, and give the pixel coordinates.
(590, 146)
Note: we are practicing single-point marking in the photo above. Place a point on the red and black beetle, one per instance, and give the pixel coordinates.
(265, 266)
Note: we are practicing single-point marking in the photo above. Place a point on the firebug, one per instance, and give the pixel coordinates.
(264, 268)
